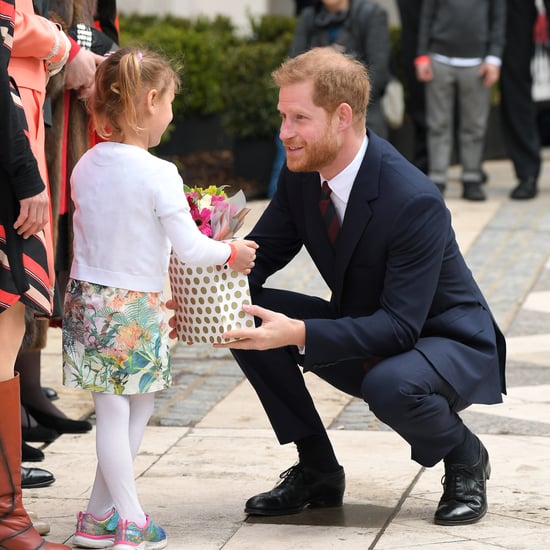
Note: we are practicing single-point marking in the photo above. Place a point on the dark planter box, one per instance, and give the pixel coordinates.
(253, 159)
(195, 134)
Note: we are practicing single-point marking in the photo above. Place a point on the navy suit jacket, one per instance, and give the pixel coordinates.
(398, 279)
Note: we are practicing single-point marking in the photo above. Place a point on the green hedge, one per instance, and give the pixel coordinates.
(194, 45)
(223, 72)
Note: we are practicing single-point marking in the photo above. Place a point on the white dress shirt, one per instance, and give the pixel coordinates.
(342, 183)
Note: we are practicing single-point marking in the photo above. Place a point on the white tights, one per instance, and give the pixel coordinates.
(120, 424)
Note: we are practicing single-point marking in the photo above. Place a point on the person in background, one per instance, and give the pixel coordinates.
(299, 5)
(40, 50)
(460, 44)
(356, 27)
(406, 328)
(409, 14)
(518, 110)
(24, 281)
(106, 19)
(115, 336)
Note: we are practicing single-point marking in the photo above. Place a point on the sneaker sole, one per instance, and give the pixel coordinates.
(143, 546)
(87, 542)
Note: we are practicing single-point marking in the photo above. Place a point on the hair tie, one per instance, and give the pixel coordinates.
(139, 56)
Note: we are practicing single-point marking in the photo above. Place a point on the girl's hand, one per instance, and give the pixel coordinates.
(245, 255)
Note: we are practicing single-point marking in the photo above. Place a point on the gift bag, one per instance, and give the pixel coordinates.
(210, 301)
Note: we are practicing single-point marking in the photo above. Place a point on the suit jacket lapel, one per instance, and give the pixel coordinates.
(358, 212)
(317, 241)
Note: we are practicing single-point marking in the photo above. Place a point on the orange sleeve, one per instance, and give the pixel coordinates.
(40, 38)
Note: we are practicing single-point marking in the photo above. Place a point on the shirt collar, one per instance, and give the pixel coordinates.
(342, 183)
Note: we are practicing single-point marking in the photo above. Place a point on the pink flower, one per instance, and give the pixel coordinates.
(216, 215)
(202, 219)
(218, 199)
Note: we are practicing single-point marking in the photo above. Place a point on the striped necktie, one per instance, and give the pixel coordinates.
(328, 213)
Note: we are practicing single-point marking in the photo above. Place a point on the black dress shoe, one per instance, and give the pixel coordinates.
(37, 434)
(32, 478)
(464, 497)
(526, 189)
(58, 423)
(473, 192)
(30, 454)
(300, 487)
(50, 393)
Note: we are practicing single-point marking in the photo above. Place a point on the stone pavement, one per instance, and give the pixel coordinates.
(209, 446)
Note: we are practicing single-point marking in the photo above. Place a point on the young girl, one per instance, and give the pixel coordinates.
(130, 210)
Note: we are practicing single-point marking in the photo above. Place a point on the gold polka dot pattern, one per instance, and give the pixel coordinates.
(210, 301)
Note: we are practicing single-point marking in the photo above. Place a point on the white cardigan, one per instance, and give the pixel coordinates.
(130, 210)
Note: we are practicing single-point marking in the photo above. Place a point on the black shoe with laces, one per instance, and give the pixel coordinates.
(300, 487)
(464, 497)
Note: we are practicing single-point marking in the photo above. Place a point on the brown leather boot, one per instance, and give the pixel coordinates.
(16, 530)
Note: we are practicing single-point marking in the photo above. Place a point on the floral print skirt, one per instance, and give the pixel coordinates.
(115, 340)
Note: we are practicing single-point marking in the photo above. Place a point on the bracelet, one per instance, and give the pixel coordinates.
(422, 60)
(233, 254)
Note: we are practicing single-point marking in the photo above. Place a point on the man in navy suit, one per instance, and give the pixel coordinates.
(406, 329)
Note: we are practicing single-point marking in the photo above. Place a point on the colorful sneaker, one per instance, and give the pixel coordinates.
(92, 532)
(131, 537)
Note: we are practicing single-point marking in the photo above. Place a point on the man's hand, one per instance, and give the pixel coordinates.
(277, 330)
(173, 305)
(34, 214)
(80, 72)
(490, 74)
(424, 71)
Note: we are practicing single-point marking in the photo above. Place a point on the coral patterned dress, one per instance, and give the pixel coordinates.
(24, 273)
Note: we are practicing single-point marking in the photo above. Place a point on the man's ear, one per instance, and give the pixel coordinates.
(344, 113)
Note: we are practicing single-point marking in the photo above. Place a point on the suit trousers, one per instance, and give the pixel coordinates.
(404, 391)
(518, 110)
(464, 85)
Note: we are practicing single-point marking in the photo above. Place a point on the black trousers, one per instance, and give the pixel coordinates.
(409, 13)
(518, 110)
(404, 391)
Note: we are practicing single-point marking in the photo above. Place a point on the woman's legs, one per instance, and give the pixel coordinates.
(12, 329)
(39, 407)
(120, 424)
(16, 530)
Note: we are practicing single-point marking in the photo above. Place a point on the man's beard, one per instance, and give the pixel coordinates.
(314, 156)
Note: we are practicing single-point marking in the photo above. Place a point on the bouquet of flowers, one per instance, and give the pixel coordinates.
(216, 215)
(210, 299)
